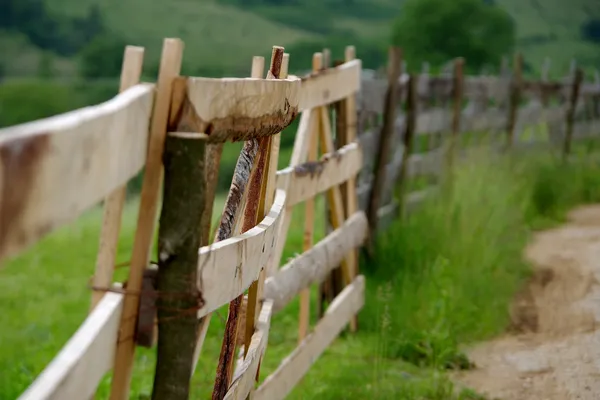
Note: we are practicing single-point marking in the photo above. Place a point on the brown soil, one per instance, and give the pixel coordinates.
(552, 351)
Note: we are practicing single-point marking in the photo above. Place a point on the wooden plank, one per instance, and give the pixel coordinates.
(245, 375)
(227, 268)
(82, 363)
(280, 383)
(52, 170)
(306, 180)
(131, 72)
(330, 85)
(239, 109)
(314, 265)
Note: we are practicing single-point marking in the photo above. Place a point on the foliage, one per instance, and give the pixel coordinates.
(480, 33)
(590, 30)
(48, 31)
(446, 280)
(102, 58)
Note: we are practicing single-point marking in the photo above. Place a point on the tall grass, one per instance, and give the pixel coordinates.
(455, 265)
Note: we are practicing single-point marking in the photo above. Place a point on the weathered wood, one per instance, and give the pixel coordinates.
(131, 70)
(385, 141)
(53, 169)
(82, 363)
(571, 112)
(313, 265)
(245, 376)
(238, 109)
(169, 69)
(279, 384)
(311, 178)
(179, 238)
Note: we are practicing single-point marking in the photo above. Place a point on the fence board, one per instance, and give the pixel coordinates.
(227, 268)
(314, 265)
(54, 169)
(309, 179)
(330, 85)
(245, 375)
(279, 384)
(80, 366)
(237, 109)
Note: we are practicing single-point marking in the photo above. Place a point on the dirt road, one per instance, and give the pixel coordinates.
(553, 351)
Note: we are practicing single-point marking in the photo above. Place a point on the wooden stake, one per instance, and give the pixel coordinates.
(515, 99)
(387, 133)
(457, 111)
(169, 69)
(571, 112)
(309, 227)
(255, 198)
(131, 71)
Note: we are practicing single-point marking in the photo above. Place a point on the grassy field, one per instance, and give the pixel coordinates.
(441, 279)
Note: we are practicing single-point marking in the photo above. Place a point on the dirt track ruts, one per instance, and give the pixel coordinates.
(552, 351)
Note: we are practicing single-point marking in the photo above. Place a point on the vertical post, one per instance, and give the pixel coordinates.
(457, 84)
(409, 133)
(256, 199)
(571, 112)
(387, 132)
(179, 238)
(230, 227)
(309, 226)
(170, 66)
(131, 72)
(515, 99)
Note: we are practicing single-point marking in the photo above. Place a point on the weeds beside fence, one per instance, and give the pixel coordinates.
(55, 169)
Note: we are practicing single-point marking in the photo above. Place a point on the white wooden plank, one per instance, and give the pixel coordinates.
(245, 375)
(330, 85)
(227, 268)
(80, 366)
(54, 169)
(280, 383)
(306, 180)
(314, 265)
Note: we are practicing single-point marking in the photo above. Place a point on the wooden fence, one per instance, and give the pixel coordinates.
(55, 169)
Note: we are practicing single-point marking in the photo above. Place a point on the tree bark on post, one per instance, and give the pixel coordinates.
(179, 238)
(387, 132)
(578, 78)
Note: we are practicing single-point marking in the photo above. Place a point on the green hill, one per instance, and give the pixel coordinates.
(223, 35)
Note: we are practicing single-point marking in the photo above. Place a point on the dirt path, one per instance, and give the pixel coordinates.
(553, 351)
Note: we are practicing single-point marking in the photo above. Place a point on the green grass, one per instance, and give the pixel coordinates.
(441, 279)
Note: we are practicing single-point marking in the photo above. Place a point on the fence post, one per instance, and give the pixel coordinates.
(457, 83)
(179, 238)
(170, 66)
(409, 133)
(256, 195)
(309, 223)
(387, 132)
(515, 98)
(571, 112)
(131, 72)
